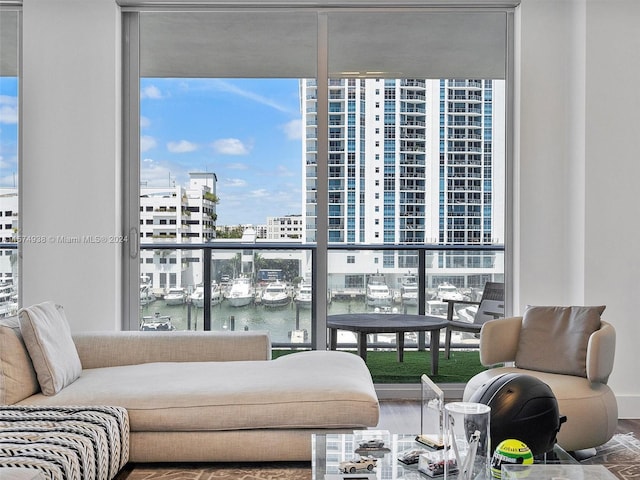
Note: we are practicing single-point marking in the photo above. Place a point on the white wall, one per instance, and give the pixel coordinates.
(575, 203)
(612, 262)
(70, 177)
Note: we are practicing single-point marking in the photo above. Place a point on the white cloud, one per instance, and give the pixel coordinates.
(234, 182)
(152, 92)
(260, 193)
(237, 166)
(8, 109)
(283, 171)
(147, 143)
(293, 129)
(230, 146)
(157, 174)
(256, 97)
(144, 122)
(183, 146)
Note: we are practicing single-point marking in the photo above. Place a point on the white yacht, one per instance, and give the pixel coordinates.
(446, 291)
(146, 291)
(8, 300)
(157, 323)
(216, 294)
(241, 292)
(197, 297)
(276, 295)
(175, 296)
(304, 296)
(409, 290)
(378, 292)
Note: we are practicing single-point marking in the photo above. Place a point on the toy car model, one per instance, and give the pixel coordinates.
(435, 468)
(411, 456)
(371, 444)
(358, 463)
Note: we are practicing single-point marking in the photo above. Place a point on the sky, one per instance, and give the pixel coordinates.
(8, 131)
(246, 131)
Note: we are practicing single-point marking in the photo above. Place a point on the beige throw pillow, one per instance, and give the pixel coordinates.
(17, 376)
(554, 339)
(47, 335)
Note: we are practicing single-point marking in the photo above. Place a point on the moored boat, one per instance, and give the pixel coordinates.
(304, 296)
(197, 297)
(275, 295)
(157, 323)
(446, 291)
(241, 292)
(175, 296)
(378, 292)
(409, 290)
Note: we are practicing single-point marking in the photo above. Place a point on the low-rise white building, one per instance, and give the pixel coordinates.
(176, 215)
(8, 234)
(288, 227)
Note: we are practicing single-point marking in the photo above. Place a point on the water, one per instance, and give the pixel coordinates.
(279, 321)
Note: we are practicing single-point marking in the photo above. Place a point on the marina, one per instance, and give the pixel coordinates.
(245, 309)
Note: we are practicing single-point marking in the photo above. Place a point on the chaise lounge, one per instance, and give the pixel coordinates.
(190, 396)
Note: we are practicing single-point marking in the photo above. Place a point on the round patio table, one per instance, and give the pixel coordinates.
(365, 323)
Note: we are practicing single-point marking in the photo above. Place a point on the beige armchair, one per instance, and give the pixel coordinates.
(579, 381)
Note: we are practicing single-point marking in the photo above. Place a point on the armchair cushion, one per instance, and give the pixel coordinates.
(48, 339)
(554, 339)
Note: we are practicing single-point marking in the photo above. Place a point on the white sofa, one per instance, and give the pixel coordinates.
(202, 396)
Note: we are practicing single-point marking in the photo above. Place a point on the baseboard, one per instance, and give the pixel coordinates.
(412, 391)
(628, 406)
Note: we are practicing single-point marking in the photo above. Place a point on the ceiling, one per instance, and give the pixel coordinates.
(283, 42)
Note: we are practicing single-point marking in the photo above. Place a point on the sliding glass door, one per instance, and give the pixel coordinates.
(294, 145)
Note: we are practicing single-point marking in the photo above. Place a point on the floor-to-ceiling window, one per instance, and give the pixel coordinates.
(10, 237)
(322, 133)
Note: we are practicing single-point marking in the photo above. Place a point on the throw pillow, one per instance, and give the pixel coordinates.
(17, 377)
(48, 339)
(554, 339)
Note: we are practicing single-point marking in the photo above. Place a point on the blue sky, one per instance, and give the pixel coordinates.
(8, 131)
(246, 131)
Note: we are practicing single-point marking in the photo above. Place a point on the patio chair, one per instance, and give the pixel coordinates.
(490, 307)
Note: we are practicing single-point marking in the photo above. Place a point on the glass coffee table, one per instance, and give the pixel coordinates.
(328, 450)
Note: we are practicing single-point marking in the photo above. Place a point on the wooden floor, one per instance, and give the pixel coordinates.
(403, 416)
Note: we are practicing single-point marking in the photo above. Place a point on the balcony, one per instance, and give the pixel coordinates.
(348, 267)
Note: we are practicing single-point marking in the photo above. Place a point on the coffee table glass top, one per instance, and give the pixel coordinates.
(328, 450)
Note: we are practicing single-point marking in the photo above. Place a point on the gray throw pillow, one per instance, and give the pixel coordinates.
(554, 339)
(47, 336)
(17, 377)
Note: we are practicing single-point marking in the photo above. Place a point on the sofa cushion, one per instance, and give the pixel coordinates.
(48, 339)
(554, 339)
(315, 389)
(17, 377)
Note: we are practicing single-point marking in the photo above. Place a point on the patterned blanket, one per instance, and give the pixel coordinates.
(65, 443)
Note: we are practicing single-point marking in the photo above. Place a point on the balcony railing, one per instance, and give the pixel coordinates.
(207, 279)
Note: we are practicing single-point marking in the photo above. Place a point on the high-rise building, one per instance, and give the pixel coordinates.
(410, 161)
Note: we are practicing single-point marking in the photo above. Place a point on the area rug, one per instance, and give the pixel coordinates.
(621, 455)
(219, 471)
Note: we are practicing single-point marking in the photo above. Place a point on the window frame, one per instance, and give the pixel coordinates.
(131, 128)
